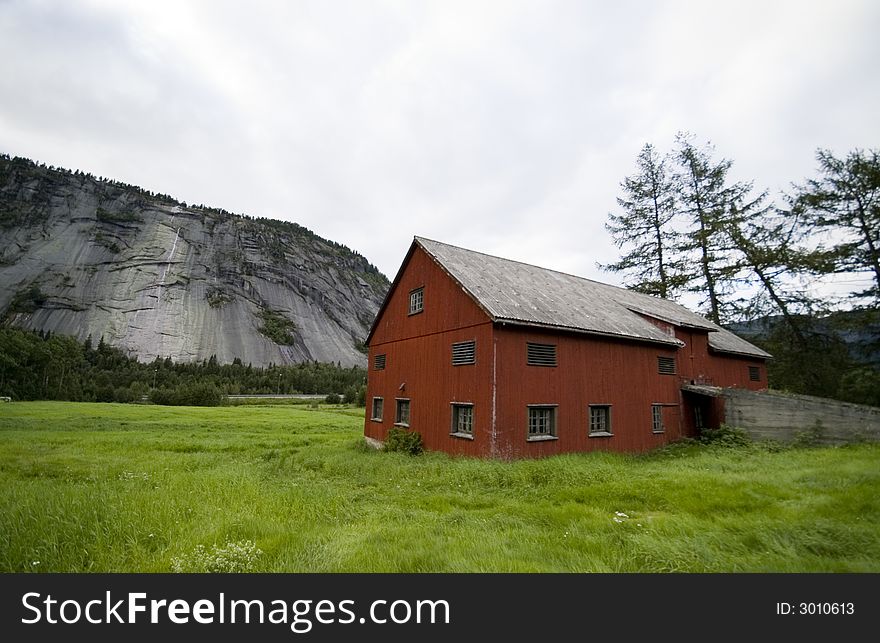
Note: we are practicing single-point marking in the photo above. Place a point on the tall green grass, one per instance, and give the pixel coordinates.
(104, 487)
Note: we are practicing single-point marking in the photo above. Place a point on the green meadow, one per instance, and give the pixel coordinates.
(130, 488)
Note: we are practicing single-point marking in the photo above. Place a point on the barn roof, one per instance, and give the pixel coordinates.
(519, 293)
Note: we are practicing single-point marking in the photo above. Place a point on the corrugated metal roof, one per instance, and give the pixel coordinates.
(519, 293)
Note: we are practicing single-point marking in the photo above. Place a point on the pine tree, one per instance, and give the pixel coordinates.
(645, 228)
(846, 200)
(705, 201)
(773, 264)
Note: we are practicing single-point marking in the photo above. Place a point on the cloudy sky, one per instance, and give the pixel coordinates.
(504, 127)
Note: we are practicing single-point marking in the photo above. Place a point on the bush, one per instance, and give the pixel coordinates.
(125, 395)
(725, 436)
(200, 395)
(350, 395)
(230, 558)
(105, 394)
(404, 441)
(861, 386)
(333, 398)
(192, 395)
(811, 437)
(277, 327)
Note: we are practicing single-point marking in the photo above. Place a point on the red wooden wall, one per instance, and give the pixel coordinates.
(418, 351)
(699, 364)
(590, 370)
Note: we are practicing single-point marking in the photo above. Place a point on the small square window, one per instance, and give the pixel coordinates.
(755, 373)
(463, 420)
(416, 301)
(542, 422)
(379, 362)
(600, 419)
(657, 418)
(401, 417)
(378, 403)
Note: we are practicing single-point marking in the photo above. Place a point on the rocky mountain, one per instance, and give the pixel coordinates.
(84, 256)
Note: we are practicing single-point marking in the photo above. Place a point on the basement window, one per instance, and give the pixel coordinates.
(401, 416)
(379, 362)
(540, 354)
(542, 422)
(657, 418)
(600, 420)
(376, 415)
(666, 365)
(462, 420)
(464, 353)
(755, 373)
(416, 301)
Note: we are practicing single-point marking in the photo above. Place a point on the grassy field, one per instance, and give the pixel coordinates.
(104, 487)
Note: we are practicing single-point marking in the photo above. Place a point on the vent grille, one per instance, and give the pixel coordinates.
(464, 353)
(379, 362)
(754, 373)
(666, 365)
(540, 354)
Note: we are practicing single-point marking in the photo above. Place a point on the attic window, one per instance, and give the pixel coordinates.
(540, 354)
(666, 365)
(379, 362)
(416, 301)
(754, 373)
(464, 353)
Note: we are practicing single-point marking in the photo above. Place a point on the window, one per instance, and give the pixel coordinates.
(542, 423)
(464, 353)
(657, 418)
(379, 362)
(463, 420)
(755, 373)
(378, 403)
(666, 365)
(416, 301)
(401, 417)
(540, 354)
(600, 419)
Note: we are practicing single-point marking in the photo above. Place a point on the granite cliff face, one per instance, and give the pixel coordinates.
(82, 256)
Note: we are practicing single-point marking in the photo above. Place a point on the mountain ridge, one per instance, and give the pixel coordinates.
(154, 276)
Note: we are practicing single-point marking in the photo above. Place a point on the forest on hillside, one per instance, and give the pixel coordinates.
(43, 366)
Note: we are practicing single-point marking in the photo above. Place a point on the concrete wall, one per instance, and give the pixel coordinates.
(787, 418)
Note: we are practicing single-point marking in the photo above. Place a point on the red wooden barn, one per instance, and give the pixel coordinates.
(491, 357)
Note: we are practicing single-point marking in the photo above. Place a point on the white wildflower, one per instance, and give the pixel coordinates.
(229, 558)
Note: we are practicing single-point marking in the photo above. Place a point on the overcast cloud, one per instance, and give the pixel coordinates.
(505, 127)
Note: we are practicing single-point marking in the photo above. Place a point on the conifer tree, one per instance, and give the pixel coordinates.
(845, 200)
(705, 200)
(644, 227)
